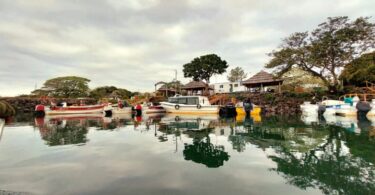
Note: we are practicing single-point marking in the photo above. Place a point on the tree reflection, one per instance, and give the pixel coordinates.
(325, 157)
(63, 132)
(328, 167)
(203, 151)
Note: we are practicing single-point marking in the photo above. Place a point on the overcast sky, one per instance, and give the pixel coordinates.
(134, 43)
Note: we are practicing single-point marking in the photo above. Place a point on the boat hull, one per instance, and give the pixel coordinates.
(346, 110)
(125, 110)
(189, 109)
(154, 110)
(75, 110)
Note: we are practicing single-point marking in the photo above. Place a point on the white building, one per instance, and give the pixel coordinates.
(228, 87)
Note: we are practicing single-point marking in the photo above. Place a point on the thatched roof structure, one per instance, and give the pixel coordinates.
(195, 85)
(262, 78)
(165, 88)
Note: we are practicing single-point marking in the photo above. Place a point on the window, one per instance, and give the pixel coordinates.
(182, 100)
(173, 100)
(235, 85)
(221, 86)
(192, 101)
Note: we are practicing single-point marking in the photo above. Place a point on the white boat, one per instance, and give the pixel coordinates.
(189, 105)
(309, 109)
(346, 110)
(124, 110)
(331, 106)
(64, 109)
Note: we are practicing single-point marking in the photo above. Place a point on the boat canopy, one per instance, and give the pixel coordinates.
(189, 100)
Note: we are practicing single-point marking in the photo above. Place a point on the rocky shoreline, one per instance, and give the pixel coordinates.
(270, 103)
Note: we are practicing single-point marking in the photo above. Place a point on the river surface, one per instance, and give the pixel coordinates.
(169, 154)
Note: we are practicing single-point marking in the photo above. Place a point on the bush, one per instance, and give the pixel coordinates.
(6, 109)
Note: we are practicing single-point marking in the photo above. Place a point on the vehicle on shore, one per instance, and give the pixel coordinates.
(189, 105)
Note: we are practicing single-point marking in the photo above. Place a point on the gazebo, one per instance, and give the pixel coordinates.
(167, 91)
(196, 88)
(262, 79)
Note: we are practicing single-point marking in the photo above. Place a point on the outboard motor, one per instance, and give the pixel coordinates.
(108, 110)
(138, 110)
(363, 108)
(228, 111)
(39, 110)
(321, 110)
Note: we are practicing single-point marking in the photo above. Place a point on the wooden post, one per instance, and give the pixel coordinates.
(279, 87)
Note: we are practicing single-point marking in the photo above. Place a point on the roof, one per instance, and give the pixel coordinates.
(195, 85)
(264, 78)
(164, 88)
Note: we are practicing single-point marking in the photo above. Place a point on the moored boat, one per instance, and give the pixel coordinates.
(124, 110)
(82, 109)
(189, 105)
(346, 110)
(309, 109)
(153, 108)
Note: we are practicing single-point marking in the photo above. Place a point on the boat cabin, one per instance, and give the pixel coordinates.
(189, 100)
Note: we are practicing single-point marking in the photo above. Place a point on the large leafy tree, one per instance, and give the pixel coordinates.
(326, 50)
(236, 74)
(69, 86)
(204, 67)
(360, 70)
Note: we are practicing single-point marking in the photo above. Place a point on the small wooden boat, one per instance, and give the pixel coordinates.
(189, 105)
(42, 110)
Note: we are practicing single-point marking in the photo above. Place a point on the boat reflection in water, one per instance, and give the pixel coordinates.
(334, 155)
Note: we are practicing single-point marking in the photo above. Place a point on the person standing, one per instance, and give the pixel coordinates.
(248, 106)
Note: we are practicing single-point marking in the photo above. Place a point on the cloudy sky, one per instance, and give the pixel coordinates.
(134, 43)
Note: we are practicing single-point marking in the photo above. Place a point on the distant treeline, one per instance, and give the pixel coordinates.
(75, 87)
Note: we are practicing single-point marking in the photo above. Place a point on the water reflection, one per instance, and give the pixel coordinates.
(335, 155)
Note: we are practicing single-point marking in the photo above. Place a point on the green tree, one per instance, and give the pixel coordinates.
(107, 91)
(236, 74)
(204, 67)
(360, 70)
(326, 50)
(69, 86)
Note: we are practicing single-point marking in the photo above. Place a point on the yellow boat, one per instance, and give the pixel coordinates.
(256, 111)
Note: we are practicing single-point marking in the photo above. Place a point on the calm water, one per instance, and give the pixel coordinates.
(187, 155)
